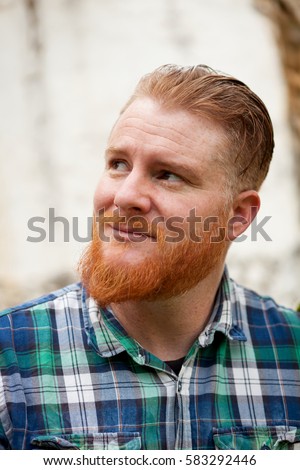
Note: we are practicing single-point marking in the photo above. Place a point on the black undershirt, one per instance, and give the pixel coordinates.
(176, 365)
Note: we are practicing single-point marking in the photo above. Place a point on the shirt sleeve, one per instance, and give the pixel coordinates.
(4, 444)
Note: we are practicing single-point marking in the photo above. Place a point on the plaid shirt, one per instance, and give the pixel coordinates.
(72, 378)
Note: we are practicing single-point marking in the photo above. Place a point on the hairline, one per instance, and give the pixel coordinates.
(221, 158)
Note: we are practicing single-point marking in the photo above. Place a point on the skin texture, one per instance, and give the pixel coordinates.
(161, 163)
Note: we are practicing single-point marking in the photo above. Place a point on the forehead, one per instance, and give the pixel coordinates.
(149, 125)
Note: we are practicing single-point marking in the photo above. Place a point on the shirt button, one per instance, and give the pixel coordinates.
(179, 386)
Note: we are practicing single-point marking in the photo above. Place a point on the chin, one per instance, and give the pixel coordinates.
(126, 255)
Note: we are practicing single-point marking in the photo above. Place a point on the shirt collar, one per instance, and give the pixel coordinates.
(224, 317)
(107, 336)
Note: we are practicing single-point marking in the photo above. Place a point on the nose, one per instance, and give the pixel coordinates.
(133, 195)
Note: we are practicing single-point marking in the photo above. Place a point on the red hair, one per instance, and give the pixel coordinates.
(205, 92)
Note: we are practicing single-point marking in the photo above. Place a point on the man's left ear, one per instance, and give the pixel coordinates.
(245, 208)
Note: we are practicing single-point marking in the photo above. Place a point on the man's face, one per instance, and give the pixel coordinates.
(160, 172)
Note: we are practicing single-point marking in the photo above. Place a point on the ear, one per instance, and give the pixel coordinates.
(245, 208)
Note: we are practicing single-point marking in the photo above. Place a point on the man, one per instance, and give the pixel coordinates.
(159, 348)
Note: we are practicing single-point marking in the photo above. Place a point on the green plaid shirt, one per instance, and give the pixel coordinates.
(71, 378)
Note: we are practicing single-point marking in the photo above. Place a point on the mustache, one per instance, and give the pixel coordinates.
(134, 224)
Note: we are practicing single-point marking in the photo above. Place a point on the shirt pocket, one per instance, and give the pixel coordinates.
(257, 438)
(90, 441)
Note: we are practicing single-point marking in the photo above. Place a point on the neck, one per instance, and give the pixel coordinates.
(168, 328)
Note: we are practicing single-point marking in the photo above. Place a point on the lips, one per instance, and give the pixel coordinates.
(129, 232)
(124, 229)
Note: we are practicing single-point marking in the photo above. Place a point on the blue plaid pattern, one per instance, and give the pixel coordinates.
(71, 378)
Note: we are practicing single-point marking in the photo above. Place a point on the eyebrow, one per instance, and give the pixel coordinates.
(171, 165)
(180, 167)
(114, 151)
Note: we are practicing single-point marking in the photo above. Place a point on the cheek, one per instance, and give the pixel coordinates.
(190, 214)
(180, 207)
(103, 196)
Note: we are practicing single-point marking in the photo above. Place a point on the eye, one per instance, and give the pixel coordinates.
(169, 176)
(117, 165)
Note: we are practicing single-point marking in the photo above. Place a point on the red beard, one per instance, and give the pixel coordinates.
(174, 269)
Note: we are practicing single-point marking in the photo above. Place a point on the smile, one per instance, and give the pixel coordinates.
(127, 233)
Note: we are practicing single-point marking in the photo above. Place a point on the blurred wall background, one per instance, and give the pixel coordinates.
(66, 68)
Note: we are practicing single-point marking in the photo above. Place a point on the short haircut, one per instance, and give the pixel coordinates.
(205, 92)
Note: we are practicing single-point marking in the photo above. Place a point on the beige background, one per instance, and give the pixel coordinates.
(66, 68)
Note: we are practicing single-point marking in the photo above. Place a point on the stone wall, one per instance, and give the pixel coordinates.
(67, 66)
